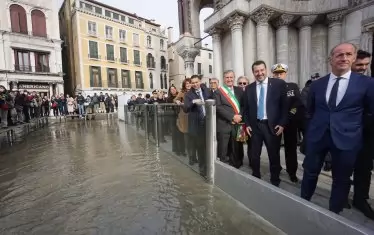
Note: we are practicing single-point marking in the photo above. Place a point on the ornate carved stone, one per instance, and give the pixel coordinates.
(262, 15)
(353, 3)
(283, 20)
(306, 21)
(236, 22)
(218, 4)
(215, 33)
(335, 17)
(189, 53)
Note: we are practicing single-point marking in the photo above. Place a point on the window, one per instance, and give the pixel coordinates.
(115, 16)
(210, 55)
(123, 55)
(126, 80)
(91, 28)
(162, 44)
(122, 35)
(108, 13)
(150, 61)
(123, 18)
(163, 62)
(139, 80)
(150, 81)
(109, 32)
(88, 7)
(131, 20)
(112, 78)
(135, 39)
(110, 52)
(149, 41)
(198, 68)
(39, 27)
(137, 57)
(161, 82)
(41, 62)
(22, 59)
(95, 76)
(98, 10)
(154, 30)
(93, 50)
(210, 69)
(165, 81)
(18, 19)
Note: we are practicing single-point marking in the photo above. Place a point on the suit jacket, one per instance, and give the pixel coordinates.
(193, 110)
(345, 122)
(276, 104)
(225, 111)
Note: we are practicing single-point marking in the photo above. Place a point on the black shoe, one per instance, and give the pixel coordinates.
(275, 183)
(327, 166)
(294, 178)
(347, 205)
(365, 208)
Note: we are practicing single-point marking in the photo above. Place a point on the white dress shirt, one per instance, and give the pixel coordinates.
(343, 85)
(258, 88)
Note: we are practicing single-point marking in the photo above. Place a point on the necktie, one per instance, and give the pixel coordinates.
(202, 107)
(261, 103)
(334, 94)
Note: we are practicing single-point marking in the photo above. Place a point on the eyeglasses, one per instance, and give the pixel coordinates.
(242, 83)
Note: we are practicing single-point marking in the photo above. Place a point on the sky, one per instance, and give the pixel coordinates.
(164, 12)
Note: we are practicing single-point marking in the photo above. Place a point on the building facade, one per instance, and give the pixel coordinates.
(30, 46)
(294, 32)
(110, 50)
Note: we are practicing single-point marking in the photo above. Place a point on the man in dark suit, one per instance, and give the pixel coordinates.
(228, 102)
(295, 117)
(364, 163)
(265, 114)
(193, 105)
(336, 105)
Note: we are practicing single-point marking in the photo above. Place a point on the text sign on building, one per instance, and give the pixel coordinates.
(33, 86)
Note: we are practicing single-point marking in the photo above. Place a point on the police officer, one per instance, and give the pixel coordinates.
(295, 116)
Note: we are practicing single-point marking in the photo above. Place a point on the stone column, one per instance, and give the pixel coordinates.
(50, 89)
(217, 54)
(366, 43)
(236, 25)
(189, 55)
(335, 29)
(262, 17)
(282, 37)
(305, 47)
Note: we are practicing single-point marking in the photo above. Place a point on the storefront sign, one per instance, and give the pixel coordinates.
(37, 86)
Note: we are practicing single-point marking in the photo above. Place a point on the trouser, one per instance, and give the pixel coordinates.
(343, 162)
(228, 146)
(363, 168)
(96, 108)
(263, 134)
(290, 147)
(26, 113)
(4, 117)
(197, 143)
(81, 109)
(102, 106)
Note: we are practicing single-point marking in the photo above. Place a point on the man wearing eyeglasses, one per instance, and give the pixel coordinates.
(295, 117)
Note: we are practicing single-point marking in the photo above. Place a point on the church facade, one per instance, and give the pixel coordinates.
(299, 33)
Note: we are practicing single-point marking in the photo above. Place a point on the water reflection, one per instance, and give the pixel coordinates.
(102, 178)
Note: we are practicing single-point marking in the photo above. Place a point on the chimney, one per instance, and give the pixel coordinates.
(170, 35)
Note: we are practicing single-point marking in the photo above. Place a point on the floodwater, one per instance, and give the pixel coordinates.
(101, 177)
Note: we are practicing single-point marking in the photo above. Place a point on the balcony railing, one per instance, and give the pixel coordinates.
(122, 40)
(43, 69)
(164, 67)
(151, 65)
(92, 33)
(109, 36)
(94, 57)
(24, 68)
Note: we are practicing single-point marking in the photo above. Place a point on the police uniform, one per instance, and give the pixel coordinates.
(295, 119)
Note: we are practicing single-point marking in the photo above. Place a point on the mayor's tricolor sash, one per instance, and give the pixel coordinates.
(231, 98)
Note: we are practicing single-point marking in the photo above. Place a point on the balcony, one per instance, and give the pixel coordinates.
(137, 63)
(42, 69)
(164, 67)
(23, 68)
(136, 44)
(109, 37)
(92, 33)
(94, 57)
(124, 61)
(151, 65)
(122, 40)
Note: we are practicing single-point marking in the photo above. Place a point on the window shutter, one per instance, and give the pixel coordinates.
(38, 23)
(14, 18)
(22, 20)
(91, 77)
(129, 78)
(100, 80)
(165, 81)
(161, 81)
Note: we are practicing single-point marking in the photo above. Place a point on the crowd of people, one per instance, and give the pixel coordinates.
(333, 113)
(18, 107)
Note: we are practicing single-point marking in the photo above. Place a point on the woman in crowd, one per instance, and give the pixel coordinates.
(70, 104)
(5, 99)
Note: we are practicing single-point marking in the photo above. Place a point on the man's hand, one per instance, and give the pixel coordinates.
(178, 102)
(279, 130)
(249, 130)
(195, 101)
(237, 118)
